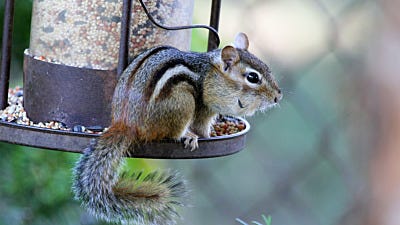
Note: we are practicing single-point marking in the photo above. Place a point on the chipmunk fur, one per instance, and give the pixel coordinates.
(167, 93)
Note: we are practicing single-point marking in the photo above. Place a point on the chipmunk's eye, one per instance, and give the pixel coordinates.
(253, 77)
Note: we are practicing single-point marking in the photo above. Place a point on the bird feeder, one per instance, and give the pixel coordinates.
(77, 51)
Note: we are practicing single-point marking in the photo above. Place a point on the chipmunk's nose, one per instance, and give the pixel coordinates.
(278, 96)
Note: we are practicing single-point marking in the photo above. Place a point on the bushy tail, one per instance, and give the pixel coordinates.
(133, 198)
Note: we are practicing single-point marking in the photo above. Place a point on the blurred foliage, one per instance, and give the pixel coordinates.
(199, 41)
(36, 186)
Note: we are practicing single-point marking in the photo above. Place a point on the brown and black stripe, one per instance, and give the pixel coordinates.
(138, 62)
(162, 68)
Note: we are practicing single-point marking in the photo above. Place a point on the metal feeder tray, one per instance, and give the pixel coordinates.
(77, 142)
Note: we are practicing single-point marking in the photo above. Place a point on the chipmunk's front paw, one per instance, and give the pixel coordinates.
(190, 140)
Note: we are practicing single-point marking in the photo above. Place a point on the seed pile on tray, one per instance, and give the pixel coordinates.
(226, 126)
(86, 33)
(15, 113)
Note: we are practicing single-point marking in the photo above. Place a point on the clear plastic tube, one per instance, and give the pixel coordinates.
(86, 33)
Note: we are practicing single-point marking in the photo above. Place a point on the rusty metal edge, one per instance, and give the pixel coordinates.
(75, 142)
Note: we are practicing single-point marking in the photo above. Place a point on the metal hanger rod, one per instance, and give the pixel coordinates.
(124, 41)
(6, 52)
(213, 39)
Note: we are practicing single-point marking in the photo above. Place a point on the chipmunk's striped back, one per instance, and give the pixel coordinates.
(152, 75)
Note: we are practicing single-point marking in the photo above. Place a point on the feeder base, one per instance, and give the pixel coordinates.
(77, 142)
(72, 95)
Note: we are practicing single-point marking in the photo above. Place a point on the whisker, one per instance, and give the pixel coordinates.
(286, 92)
(280, 78)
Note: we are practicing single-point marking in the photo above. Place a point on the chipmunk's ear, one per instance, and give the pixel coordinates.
(241, 41)
(229, 56)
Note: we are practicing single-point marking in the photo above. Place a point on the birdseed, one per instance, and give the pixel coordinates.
(86, 33)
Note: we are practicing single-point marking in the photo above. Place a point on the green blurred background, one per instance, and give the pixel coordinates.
(325, 156)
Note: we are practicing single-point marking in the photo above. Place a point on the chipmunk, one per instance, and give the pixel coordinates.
(167, 93)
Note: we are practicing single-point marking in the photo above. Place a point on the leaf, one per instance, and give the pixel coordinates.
(268, 220)
(241, 221)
